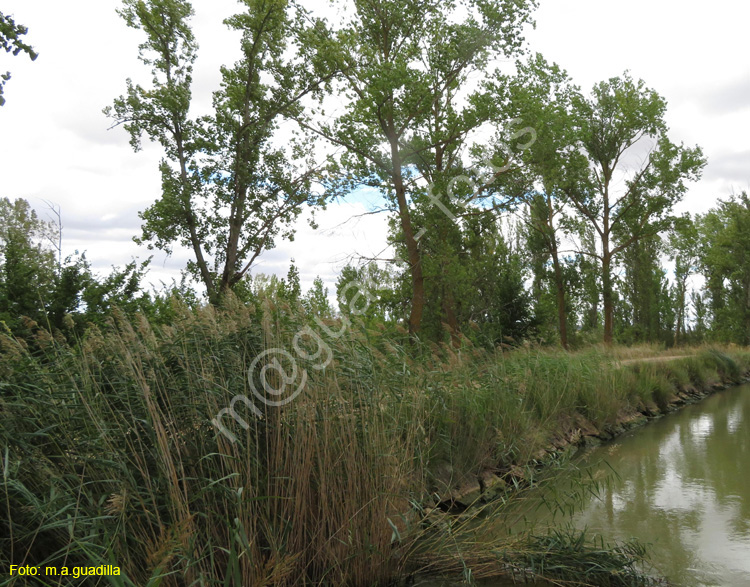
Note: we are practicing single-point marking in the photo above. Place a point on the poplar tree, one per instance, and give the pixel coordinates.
(407, 69)
(620, 114)
(724, 236)
(542, 95)
(27, 265)
(230, 183)
(684, 250)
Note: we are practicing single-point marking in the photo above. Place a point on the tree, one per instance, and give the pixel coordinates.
(622, 114)
(316, 301)
(496, 301)
(725, 259)
(696, 299)
(27, 266)
(684, 250)
(55, 294)
(229, 187)
(542, 95)
(590, 281)
(10, 40)
(646, 312)
(404, 65)
(371, 293)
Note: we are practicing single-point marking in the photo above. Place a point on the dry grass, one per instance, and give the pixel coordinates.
(109, 455)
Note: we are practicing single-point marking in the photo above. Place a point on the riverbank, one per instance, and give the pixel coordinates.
(674, 380)
(575, 557)
(678, 488)
(110, 451)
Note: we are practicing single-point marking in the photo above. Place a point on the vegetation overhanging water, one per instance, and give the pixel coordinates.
(676, 485)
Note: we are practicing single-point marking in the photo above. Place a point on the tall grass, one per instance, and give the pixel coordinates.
(110, 456)
(108, 453)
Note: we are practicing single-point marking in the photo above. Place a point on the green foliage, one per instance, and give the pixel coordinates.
(38, 291)
(131, 406)
(646, 312)
(372, 293)
(107, 448)
(404, 66)
(10, 40)
(541, 96)
(316, 300)
(724, 237)
(228, 189)
(727, 367)
(478, 287)
(684, 250)
(620, 113)
(660, 381)
(571, 555)
(27, 266)
(108, 452)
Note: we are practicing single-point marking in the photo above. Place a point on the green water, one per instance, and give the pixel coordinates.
(683, 487)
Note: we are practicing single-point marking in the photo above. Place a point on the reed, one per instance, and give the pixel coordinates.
(109, 456)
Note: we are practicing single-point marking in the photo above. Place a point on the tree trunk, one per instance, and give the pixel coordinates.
(412, 248)
(680, 326)
(608, 299)
(562, 318)
(607, 294)
(206, 276)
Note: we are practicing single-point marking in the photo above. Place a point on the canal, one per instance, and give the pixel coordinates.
(682, 486)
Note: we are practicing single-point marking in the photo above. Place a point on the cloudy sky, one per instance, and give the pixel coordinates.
(55, 145)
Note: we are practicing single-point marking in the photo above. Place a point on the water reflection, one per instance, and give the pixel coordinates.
(683, 487)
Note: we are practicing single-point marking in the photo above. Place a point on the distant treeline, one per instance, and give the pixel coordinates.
(508, 289)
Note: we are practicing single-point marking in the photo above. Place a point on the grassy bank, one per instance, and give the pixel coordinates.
(109, 455)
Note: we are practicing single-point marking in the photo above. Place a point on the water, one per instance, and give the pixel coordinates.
(683, 488)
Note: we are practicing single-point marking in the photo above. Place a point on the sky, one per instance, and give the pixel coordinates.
(56, 145)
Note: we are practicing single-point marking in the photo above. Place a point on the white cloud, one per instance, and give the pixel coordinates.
(346, 233)
(728, 97)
